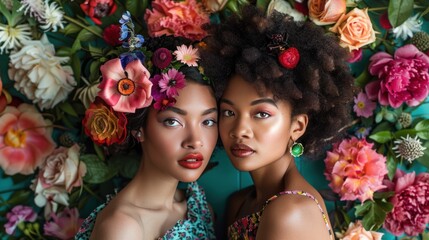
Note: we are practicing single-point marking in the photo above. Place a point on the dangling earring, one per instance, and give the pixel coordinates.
(297, 149)
(138, 135)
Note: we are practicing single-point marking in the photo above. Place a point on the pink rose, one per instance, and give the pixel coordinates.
(357, 232)
(63, 225)
(63, 168)
(401, 78)
(25, 139)
(178, 18)
(410, 213)
(354, 169)
(324, 12)
(355, 29)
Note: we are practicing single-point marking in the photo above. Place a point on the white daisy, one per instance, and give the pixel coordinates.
(53, 17)
(408, 28)
(35, 8)
(12, 37)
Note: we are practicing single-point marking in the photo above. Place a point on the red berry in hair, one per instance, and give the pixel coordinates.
(289, 58)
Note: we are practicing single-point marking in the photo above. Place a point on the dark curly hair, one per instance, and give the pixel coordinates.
(321, 85)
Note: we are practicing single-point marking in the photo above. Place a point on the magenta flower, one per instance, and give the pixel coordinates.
(363, 106)
(18, 214)
(63, 225)
(401, 78)
(171, 82)
(125, 89)
(354, 169)
(164, 102)
(410, 213)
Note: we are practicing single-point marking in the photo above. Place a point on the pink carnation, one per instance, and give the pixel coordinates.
(410, 213)
(354, 169)
(401, 78)
(63, 225)
(18, 214)
(178, 18)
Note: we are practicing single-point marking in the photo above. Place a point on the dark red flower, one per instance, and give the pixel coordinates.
(111, 35)
(96, 9)
(162, 58)
(302, 7)
(384, 21)
(289, 58)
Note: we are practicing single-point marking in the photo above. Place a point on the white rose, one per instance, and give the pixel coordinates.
(39, 74)
(284, 7)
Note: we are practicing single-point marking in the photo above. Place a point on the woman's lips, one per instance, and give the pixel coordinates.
(192, 161)
(241, 150)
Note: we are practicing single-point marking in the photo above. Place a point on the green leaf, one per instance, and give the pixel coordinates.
(362, 79)
(399, 11)
(86, 35)
(405, 132)
(99, 152)
(384, 126)
(424, 160)
(95, 52)
(68, 108)
(127, 165)
(75, 64)
(136, 7)
(20, 197)
(381, 137)
(97, 171)
(362, 209)
(94, 71)
(383, 195)
(422, 125)
(374, 214)
(391, 165)
(71, 29)
(76, 46)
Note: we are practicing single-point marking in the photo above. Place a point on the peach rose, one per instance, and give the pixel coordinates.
(355, 29)
(357, 232)
(324, 12)
(214, 5)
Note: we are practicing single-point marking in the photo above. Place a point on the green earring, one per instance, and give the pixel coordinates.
(297, 149)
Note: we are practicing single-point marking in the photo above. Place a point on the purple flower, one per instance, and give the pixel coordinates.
(401, 78)
(18, 214)
(363, 106)
(162, 58)
(171, 82)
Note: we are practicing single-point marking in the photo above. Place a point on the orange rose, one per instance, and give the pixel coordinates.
(324, 12)
(103, 125)
(355, 29)
(357, 232)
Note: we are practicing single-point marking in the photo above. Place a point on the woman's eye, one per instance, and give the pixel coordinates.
(171, 122)
(209, 122)
(227, 113)
(262, 115)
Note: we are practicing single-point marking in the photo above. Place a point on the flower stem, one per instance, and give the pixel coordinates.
(74, 21)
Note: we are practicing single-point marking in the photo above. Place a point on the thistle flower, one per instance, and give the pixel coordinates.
(404, 120)
(421, 41)
(408, 28)
(53, 17)
(409, 148)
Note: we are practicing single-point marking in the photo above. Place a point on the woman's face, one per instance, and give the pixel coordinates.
(255, 129)
(179, 141)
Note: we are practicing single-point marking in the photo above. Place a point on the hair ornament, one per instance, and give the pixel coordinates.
(287, 56)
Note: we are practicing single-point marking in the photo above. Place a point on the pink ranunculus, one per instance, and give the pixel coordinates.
(356, 231)
(63, 168)
(18, 214)
(403, 78)
(125, 89)
(410, 213)
(25, 139)
(363, 106)
(178, 18)
(63, 225)
(354, 169)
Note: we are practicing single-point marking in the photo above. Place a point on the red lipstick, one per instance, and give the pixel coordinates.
(192, 161)
(241, 150)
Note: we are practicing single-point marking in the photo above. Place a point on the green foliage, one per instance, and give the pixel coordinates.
(399, 11)
(373, 213)
(97, 171)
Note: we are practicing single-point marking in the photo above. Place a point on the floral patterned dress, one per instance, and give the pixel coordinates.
(247, 227)
(198, 224)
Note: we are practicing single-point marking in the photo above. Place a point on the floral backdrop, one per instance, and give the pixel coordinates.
(51, 52)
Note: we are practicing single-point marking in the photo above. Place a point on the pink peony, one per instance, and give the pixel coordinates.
(357, 232)
(19, 214)
(354, 169)
(63, 225)
(363, 106)
(401, 78)
(125, 89)
(410, 213)
(178, 18)
(25, 139)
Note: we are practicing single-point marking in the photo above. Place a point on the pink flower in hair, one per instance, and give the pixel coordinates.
(171, 82)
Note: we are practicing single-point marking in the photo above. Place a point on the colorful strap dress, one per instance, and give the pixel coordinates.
(247, 227)
(198, 224)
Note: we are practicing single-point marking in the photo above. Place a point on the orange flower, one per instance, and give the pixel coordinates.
(355, 29)
(103, 124)
(25, 139)
(324, 12)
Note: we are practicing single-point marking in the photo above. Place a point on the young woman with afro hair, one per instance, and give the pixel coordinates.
(282, 86)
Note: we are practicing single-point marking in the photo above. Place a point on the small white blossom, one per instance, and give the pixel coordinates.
(409, 148)
(53, 17)
(408, 28)
(11, 37)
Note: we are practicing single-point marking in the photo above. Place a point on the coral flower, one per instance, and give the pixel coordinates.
(171, 82)
(25, 139)
(187, 55)
(363, 106)
(125, 89)
(354, 169)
